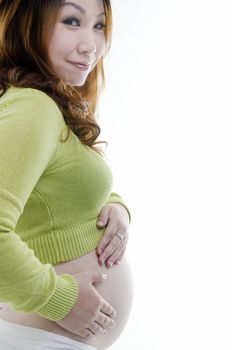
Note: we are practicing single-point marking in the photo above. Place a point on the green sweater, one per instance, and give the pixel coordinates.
(51, 194)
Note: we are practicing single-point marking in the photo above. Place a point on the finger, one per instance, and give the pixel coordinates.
(109, 233)
(122, 253)
(96, 329)
(111, 260)
(105, 321)
(110, 249)
(103, 217)
(117, 256)
(96, 276)
(107, 309)
(120, 257)
(86, 333)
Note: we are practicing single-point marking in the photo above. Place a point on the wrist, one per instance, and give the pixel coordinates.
(63, 298)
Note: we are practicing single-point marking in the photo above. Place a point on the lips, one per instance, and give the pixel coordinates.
(85, 67)
(84, 64)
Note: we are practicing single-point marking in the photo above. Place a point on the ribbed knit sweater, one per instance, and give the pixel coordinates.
(51, 193)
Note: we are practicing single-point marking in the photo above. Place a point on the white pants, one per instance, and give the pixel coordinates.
(17, 337)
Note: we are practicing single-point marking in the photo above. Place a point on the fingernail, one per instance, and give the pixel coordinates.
(100, 222)
(112, 325)
(110, 263)
(104, 276)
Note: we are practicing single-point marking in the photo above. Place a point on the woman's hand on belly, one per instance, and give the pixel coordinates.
(91, 315)
(112, 245)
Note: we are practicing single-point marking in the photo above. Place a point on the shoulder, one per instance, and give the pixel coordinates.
(20, 93)
(28, 97)
(32, 105)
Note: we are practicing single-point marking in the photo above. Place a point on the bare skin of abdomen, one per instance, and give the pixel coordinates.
(117, 290)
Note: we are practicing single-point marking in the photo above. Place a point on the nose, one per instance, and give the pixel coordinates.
(86, 42)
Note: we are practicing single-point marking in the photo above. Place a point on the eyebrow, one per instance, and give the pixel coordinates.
(81, 9)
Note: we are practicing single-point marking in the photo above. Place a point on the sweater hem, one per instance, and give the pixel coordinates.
(66, 244)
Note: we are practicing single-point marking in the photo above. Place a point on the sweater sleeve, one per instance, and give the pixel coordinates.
(115, 198)
(30, 123)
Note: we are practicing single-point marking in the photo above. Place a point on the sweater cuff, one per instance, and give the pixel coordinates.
(115, 198)
(63, 299)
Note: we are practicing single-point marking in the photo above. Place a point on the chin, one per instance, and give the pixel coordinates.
(77, 83)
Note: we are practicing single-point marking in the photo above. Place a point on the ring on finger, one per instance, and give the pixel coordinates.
(119, 236)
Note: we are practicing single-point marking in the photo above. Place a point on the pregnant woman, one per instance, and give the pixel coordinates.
(65, 279)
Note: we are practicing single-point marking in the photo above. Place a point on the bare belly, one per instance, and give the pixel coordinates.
(116, 289)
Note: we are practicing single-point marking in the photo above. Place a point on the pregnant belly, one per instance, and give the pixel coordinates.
(116, 290)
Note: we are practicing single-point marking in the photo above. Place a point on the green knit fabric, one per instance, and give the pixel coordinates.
(51, 194)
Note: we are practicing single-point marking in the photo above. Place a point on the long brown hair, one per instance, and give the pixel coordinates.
(26, 27)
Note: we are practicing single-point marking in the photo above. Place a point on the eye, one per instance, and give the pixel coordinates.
(100, 26)
(71, 19)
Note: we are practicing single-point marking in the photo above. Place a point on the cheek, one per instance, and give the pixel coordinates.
(60, 43)
(101, 44)
(62, 46)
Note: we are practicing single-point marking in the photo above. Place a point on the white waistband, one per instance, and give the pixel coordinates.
(38, 335)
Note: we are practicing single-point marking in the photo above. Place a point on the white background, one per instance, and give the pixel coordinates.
(166, 112)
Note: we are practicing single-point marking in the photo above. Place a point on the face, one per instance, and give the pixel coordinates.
(78, 40)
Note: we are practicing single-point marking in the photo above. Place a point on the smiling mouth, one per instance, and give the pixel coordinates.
(82, 63)
(81, 66)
